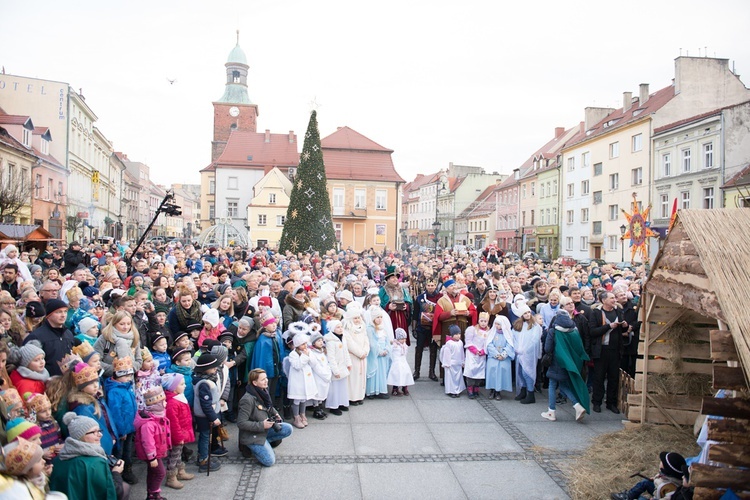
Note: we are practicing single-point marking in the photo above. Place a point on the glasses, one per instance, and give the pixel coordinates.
(98, 431)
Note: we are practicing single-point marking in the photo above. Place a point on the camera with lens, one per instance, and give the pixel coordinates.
(112, 461)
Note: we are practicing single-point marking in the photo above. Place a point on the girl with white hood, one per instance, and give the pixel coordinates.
(301, 386)
(500, 352)
(321, 371)
(9, 255)
(340, 362)
(527, 342)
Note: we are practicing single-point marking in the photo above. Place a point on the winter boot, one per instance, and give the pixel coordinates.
(529, 399)
(128, 476)
(521, 395)
(580, 411)
(433, 361)
(183, 475)
(319, 413)
(492, 394)
(287, 410)
(173, 482)
(549, 415)
(304, 419)
(405, 390)
(298, 422)
(417, 362)
(155, 496)
(472, 394)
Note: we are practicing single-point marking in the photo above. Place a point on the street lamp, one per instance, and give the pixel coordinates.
(435, 230)
(518, 237)
(622, 242)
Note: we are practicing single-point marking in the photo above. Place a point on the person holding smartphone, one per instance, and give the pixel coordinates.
(606, 329)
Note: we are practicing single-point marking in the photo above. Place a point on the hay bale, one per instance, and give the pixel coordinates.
(606, 465)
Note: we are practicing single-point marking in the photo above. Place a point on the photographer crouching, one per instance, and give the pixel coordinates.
(261, 427)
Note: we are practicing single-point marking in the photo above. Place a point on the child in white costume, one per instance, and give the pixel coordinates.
(476, 355)
(500, 352)
(452, 360)
(321, 372)
(341, 364)
(301, 387)
(400, 373)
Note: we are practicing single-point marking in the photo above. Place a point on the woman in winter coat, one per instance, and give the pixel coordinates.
(186, 311)
(119, 339)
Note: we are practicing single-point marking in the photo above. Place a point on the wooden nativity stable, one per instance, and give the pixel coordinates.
(695, 340)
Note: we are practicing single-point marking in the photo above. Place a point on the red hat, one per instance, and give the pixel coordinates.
(265, 301)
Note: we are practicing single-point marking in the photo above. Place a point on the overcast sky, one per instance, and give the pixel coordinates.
(474, 82)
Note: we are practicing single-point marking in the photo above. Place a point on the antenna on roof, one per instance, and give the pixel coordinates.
(680, 51)
(238, 37)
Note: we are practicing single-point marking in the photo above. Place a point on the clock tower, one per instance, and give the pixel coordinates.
(234, 111)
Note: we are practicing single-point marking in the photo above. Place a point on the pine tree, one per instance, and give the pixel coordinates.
(308, 224)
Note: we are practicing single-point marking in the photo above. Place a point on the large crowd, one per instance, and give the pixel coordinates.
(107, 356)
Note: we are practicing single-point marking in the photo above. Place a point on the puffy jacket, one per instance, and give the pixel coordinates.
(153, 437)
(122, 405)
(86, 405)
(181, 422)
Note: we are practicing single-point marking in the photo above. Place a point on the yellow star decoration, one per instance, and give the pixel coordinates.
(294, 244)
(294, 213)
(299, 183)
(638, 231)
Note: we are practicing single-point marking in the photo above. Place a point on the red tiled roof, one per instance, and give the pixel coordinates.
(695, 118)
(40, 130)
(741, 178)
(48, 158)
(348, 155)
(15, 120)
(454, 183)
(250, 149)
(420, 181)
(9, 140)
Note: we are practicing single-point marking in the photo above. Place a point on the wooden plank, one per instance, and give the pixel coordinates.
(722, 346)
(665, 366)
(726, 377)
(685, 275)
(702, 301)
(654, 416)
(672, 403)
(664, 412)
(729, 430)
(719, 477)
(731, 454)
(711, 494)
(662, 314)
(726, 407)
(665, 350)
(682, 264)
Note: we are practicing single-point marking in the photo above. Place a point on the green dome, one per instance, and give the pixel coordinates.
(237, 56)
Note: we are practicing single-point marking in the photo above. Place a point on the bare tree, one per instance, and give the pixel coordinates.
(73, 223)
(15, 191)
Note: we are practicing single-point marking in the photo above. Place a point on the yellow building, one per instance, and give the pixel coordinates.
(266, 213)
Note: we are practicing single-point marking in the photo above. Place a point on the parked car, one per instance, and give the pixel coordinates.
(537, 256)
(625, 265)
(567, 261)
(591, 262)
(512, 256)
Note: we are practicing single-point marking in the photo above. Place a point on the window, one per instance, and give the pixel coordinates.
(586, 159)
(570, 216)
(532, 217)
(664, 204)
(708, 155)
(543, 190)
(686, 160)
(597, 169)
(597, 197)
(235, 76)
(212, 211)
(554, 188)
(613, 211)
(524, 192)
(666, 164)
(584, 188)
(37, 185)
(59, 189)
(532, 189)
(613, 241)
(571, 190)
(708, 197)
(685, 199)
(597, 227)
(338, 228)
(212, 186)
(49, 189)
(360, 197)
(636, 176)
(45, 146)
(232, 183)
(614, 182)
(584, 242)
(569, 244)
(584, 215)
(554, 217)
(338, 199)
(272, 198)
(637, 142)
(571, 164)
(232, 208)
(614, 150)
(27, 137)
(261, 219)
(381, 197)
(280, 220)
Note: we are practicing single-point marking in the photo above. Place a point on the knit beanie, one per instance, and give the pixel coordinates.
(35, 309)
(454, 330)
(332, 325)
(87, 324)
(205, 362)
(299, 340)
(20, 427)
(53, 305)
(268, 318)
(28, 353)
(154, 395)
(211, 317)
(20, 456)
(265, 301)
(315, 337)
(220, 352)
(79, 425)
(34, 268)
(84, 375)
(400, 333)
(170, 381)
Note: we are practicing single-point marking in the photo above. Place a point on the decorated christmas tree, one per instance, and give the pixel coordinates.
(308, 224)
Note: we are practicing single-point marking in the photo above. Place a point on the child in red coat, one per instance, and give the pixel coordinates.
(31, 375)
(153, 439)
(181, 425)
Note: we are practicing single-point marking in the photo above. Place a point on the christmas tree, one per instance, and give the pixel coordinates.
(308, 224)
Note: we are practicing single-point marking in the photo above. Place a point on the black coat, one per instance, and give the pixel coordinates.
(56, 343)
(598, 327)
(72, 259)
(630, 314)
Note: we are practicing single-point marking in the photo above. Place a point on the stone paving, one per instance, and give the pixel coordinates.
(423, 446)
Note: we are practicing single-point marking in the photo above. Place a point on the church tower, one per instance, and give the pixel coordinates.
(234, 110)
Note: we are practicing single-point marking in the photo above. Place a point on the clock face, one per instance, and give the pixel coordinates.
(234, 111)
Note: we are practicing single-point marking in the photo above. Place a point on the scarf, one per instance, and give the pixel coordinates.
(127, 336)
(260, 395)
(74, 448)
(157, 410)
(188, 316)
(25, 372)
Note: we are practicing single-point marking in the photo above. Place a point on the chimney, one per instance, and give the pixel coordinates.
(644, 94)
(268, 135)
(559, 131)
(627, 100)
(595, 115)
(291, 137)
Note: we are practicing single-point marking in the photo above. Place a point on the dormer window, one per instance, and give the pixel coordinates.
(235, 76)
(27, 137)
(45, 146)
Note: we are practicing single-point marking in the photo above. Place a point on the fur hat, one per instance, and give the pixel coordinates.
(299, 340)
(154, 395)
(12, 399)
(332, 325)
(146, 354)
(211, 317)
(170, 381)
(206, 361)
(123, 366)
(35, 309)
(21, 456)
(38, 402)
(84, 351)
(55, 304)
(19, 427)
(79, 425)
(400, 333)
(87, 324)
(28, 353)
(346, 295)
(84, 375)
(353, 312)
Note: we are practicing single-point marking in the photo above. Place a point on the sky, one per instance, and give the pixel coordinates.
(480, 83)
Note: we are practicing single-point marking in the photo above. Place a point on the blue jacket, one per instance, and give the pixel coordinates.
(121, 402)
(84, 404)
(162, 361)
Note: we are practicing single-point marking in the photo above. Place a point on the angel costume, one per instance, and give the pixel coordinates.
(400, 373)
(359, 347)
(378, 361)
(528, 346)
(499, 354)
(452, 360)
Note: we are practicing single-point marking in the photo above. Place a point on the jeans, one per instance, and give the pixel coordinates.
(526, 381)
(643, 486)
(204, 434)
(564, 388)
(263, 452)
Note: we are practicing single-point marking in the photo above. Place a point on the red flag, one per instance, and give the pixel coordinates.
(673, 216)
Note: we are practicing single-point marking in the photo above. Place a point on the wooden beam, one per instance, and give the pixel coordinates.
(670, 402)
(697, 280)
(664, 412)
(727, 377)
(682, 247)
(655, 416)
(729, 430)
(649, 300)
(726, 407)
(682, 263)
(702, 301)
(664, 366)
(722, 346)
(719, 477)
(689, 351)
(731, 454)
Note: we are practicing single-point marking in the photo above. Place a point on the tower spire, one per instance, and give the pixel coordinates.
(238, 37)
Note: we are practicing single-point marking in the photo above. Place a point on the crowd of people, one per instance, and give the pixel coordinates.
(107, 356)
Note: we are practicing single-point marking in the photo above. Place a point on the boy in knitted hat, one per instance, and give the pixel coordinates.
(120, 393)
(153, 439)
(23, 470)
(40, 411)
(30, 375)
(669, 478)
(206, 406)
(181, 428)
(89, 329)
(146, 378)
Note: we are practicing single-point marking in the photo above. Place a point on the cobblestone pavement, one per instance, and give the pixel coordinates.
(422, 446)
